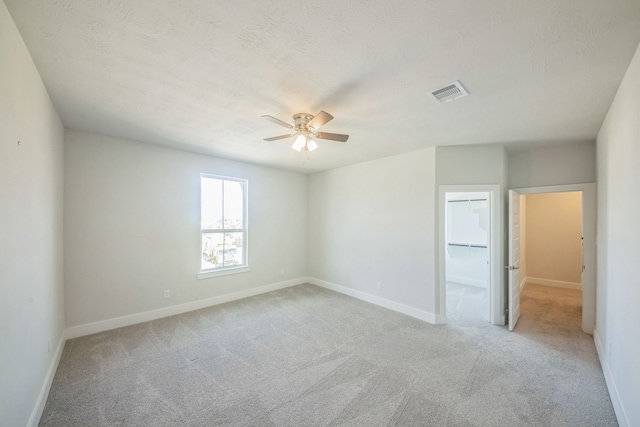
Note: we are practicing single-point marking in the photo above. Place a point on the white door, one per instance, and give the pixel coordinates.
(514, 258)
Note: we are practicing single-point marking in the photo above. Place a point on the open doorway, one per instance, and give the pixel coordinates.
(467, 231)
(551, 257)
(551, 239)
(552, 250)
(469, 253)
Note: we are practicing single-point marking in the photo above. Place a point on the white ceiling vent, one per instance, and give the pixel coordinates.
(451, 92)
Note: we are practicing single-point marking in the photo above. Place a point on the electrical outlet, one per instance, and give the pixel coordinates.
(378, 285)
(167, 293)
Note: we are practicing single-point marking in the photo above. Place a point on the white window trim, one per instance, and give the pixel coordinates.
(206, 274)
(224, 271)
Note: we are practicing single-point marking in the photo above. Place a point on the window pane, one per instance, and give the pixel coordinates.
(212, 246)
(222, 210)
(211, 203)
(233, 249)
(233, 205)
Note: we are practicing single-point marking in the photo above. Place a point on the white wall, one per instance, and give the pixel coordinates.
(553, 165)
(470, 164)
(554, 239)
(132, 227)
(618, 295)
(374, 222)
(31, 285)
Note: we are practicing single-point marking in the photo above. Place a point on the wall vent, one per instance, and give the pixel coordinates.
(450, 92)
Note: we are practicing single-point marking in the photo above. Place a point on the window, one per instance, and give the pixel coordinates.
(223, 224)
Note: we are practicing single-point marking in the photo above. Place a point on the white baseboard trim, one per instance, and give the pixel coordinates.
(522, 283)
(382, 302)
(467, 281)
(555, 283)
(36, 413)
(621, 415)
(132, 319)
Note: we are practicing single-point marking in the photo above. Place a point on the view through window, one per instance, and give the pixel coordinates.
(223, 222)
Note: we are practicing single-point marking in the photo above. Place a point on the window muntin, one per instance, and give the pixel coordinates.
(223, 224)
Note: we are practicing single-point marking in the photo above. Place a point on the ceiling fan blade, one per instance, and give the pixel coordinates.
(332, 136)
(275, 138)
(278, 121)
(321, 119)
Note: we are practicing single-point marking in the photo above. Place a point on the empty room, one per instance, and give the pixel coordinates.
(319, 214)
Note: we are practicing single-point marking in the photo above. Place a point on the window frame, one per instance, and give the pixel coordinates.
(233, 269)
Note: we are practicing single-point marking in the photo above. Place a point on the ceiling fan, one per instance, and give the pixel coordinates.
(305, 128)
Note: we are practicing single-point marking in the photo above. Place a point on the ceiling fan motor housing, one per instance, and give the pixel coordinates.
(301, 119)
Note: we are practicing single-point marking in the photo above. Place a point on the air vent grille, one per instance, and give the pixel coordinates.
(449, 93)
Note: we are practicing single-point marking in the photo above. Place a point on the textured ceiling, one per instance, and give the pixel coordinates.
(198, 74)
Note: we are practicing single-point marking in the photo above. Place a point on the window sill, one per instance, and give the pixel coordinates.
(222, 272)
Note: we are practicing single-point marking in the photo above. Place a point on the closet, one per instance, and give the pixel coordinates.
(467, 235)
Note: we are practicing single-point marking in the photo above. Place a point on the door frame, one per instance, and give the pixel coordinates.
(496, 312)
(589, 234)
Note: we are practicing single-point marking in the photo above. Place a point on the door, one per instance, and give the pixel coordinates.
(514, 258)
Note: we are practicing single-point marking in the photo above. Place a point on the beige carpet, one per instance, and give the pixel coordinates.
(307, 356)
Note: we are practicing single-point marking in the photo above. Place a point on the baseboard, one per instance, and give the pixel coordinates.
(467, 281)
(119, 322)
(621, 415)
(36, 414)
(554, 283)
(522, 283)
(382, 302)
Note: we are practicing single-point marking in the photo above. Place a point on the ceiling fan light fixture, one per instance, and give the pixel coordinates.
(311, 145)
(299, 143)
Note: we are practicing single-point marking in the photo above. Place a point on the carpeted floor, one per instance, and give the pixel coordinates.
(308, 356)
